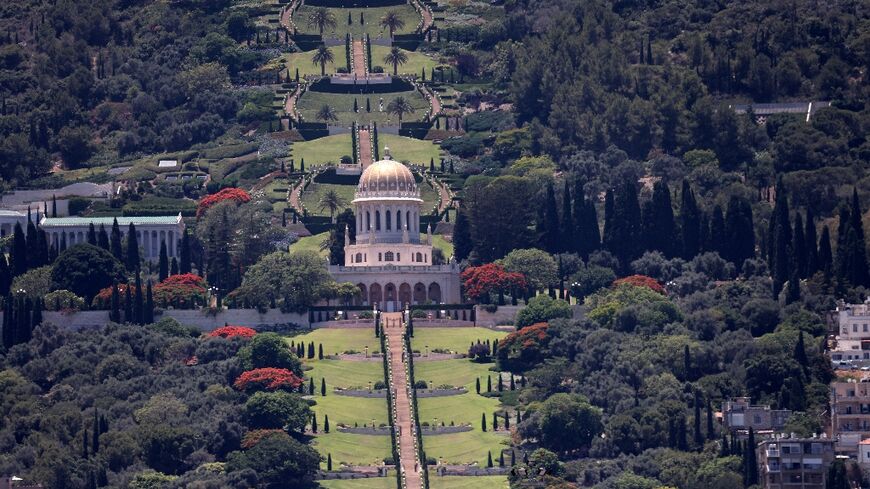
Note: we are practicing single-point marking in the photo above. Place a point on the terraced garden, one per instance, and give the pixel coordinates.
(370, 25)
(343, 106)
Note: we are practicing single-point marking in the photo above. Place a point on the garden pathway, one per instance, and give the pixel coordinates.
(365, 148)
(394, 328)
(359, 60)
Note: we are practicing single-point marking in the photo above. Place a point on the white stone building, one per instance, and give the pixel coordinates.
(9, 218)
(853, 333)
(150, 231)
(391, 262)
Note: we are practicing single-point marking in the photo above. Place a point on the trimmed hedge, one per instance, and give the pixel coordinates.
(159, 206)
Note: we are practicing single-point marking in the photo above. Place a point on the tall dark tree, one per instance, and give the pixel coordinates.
(132, 260)
(781, 240)
(30, 240)
(626, 242)
(19, 251)
(660, 221)
(149, 304)
(609, 237)
(810, 240)
(567, 229)
(139, 301)
(163, 268)
(128, 304)
(739, 231)
(184, 265)
(690, 222)
(115, 245)
(799, 247)
(92, 234)
(462, 244)
(549, 226)
(851, 259)
(711, 427)
(699, 436)
(750, 461)
(103, 238)
(826, 258)
(716, 233)
(344, 223)
(5, 276)
(115, 309)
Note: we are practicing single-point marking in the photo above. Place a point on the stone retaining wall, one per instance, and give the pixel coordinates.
(503, 315)
(194, 317)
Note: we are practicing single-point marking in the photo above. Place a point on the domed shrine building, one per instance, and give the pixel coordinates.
(391, 261)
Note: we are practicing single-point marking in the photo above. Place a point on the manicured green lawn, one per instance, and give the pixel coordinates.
(311, 102)
(349, 410)
(388, 482)
(415, 151)
(337, 341)
(445, 246)
(311, 243)
(458, 372)
(353, 449)
(414, 66)
(454, 339)
(344, 373)
(457, 482)
(315, 191)
(302, 62)
(465, 448)
(321, 151)
(464, 409)
(371, 18)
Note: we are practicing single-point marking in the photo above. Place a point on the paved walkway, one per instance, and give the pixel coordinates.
(393, 328)
(359, 60)
(427, 16)
(365, 148)
(295, 199)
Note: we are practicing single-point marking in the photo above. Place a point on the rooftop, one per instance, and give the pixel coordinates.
(108, 221)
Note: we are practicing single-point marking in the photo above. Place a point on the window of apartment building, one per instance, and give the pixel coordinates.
(854, 328)
(864, 327)
(791, 448)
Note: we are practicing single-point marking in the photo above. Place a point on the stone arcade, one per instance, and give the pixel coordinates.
(391, 262)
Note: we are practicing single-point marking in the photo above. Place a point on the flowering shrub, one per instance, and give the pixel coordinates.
(267, 379)
(233, 332)
(103, 299)
(253, 437)
(523, 349)
(181, 290)
(236, 194)
(484, 280)
(641, 281)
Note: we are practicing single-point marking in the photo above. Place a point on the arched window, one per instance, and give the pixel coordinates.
(388, 256)
(398, 257)
(368, 221)
(419, 257)
(377, 220)
(408, 220)
(380, 258)
(398, 220)
(388, 220)
(359, 257)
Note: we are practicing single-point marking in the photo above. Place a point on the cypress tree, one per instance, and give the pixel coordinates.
(781, 239)
(103, 238)
(477, 384)
(699, 437)
(690, 222)
(62, 243)
(5, 276)
(19, 251)
(494, 422)
(550, 235)
(609, 233)
(311, 386)
(132, 248)
(115, 241)
(488, 458)
(149, 304)
(662, 220)
(164, 262)
(320, 351)
(799, 248)
(513, 457)
(826, 260)
(810, 240)
(326, 423)
(314, 422)
(567, 230)
(311, 350)
(462, 244)
(30, 240)
(750, 460)
(329, 461)
(739, 231)
(139, 303)
(173, 266)
(488, 383)
(716, 237)
(851, 259)
(483, 422)
(53, 205)
(711, 428)
(92, 235)
(500, 383)
(800, 353)
(184, 265)
(323, 387)
(501, 459)
(579, 214)
(626, 243)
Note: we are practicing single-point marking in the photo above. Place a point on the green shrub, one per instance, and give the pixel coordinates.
(78, 205)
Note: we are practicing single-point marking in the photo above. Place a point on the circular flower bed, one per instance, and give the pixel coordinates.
(236, 194)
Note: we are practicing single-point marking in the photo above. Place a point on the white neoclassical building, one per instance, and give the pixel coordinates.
(150, 231)
(391, 262)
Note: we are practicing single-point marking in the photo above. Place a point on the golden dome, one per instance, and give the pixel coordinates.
(387, 176)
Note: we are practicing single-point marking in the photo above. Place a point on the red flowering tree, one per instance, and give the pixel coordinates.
(233, 332)
(641, 281)
(103, 299)
(524, 348)
(481, 282)
(236, 194)
(267, 379)
(253, 437)
(180, 290)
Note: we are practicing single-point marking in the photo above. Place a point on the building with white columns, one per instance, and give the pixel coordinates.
(391, 262)
(150, 231)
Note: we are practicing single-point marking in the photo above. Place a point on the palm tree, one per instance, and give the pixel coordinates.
(396, 57)
(321, 18)
(326, 113)
(322, 56)
(400, 107)
(333, 202)
(392, 21)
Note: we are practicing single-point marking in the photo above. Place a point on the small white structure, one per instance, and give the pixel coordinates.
(150, 231)
(853, 332)
(167, 163)
(390, 261)
(9, 218)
